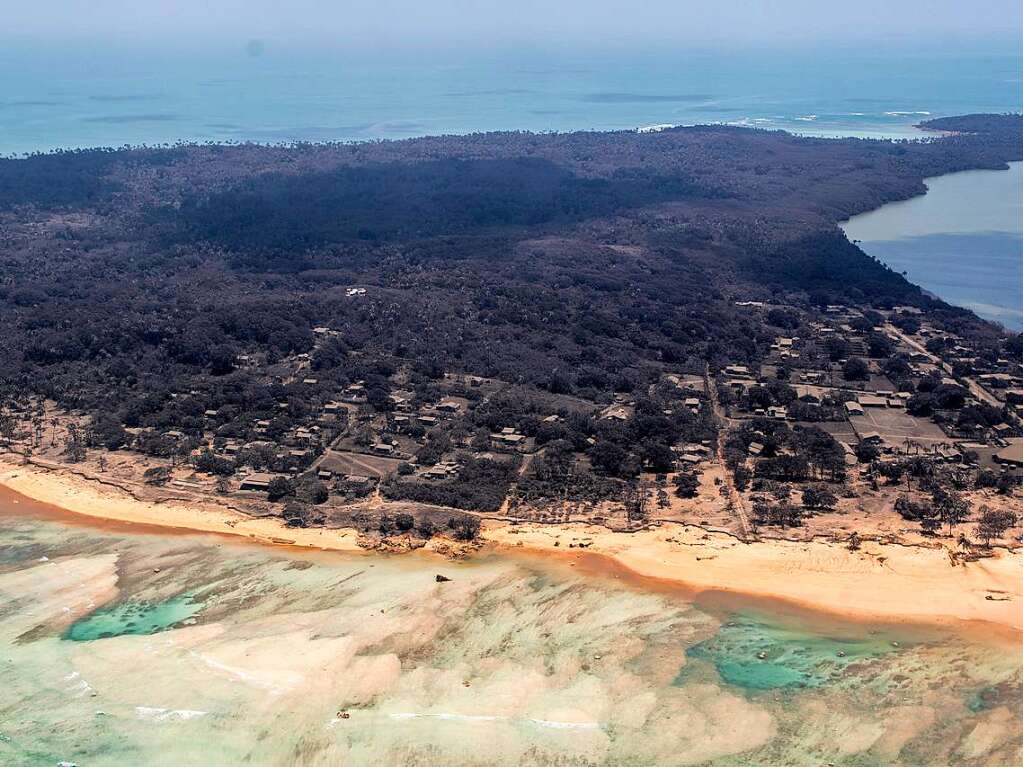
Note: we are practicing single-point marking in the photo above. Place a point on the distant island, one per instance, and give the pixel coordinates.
(404, 339)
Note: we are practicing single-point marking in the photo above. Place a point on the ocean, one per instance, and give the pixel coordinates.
(125, 648)
(60, 97)
(67, 96)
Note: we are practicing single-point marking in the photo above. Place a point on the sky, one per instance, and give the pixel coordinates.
(479, 23)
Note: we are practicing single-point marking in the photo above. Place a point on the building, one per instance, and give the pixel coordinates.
(443, 470)
(738, 371)
(257, 482)
(616, 413)
(872, 400)
(1011, 455)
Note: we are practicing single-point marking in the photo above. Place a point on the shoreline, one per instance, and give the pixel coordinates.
(83, 498)
(882, 582)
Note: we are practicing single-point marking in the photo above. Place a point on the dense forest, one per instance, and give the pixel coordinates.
(578, 264)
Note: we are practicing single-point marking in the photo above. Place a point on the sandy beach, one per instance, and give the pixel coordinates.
(104, 503)
(880, 582)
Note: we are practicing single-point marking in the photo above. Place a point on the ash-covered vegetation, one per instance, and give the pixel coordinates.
(231, 293)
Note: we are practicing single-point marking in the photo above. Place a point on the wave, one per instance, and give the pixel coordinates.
(149, 714)
(443, 716)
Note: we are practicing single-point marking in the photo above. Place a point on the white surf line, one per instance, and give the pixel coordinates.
(239, 674)
(444, 716)
(151, 714)
(567, 725)
(79, 688)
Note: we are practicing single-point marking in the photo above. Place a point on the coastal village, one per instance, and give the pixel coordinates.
(860, 424)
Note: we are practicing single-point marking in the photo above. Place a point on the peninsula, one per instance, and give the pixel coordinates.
(654, 346)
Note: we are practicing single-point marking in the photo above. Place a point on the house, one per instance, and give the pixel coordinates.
(382, 448)
(508, 437)
(849, 454)
(755, 448)
(449, 406)
(310, 381)
(695, 449)
(853, 408)
(401, 401)
(872, 400)
(442, 470)
(616, 413)
(258, 482)
(1011, 455)
(738, 371)
(324, 474)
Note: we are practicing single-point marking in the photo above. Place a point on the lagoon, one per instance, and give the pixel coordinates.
(243, 654)
(963, 240)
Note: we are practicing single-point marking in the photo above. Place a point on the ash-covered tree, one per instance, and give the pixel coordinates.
(952, 508)
(994, 523)
(855, 369)
(279, 488)
(819, 498)
(687, 484)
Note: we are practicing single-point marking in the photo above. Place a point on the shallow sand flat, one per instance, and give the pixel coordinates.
(56, 592)
(519, 659)
(879, 582)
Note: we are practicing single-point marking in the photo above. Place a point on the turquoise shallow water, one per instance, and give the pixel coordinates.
(754, 653)
(131, 617)
(120, 649)
(109, 96)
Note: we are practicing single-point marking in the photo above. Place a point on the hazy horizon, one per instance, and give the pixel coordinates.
(576, 23)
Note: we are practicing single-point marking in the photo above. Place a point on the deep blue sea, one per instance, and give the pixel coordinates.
(74, 97)
(65, 96)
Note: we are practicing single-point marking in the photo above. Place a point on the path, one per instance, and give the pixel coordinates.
(736, 502)
(975, 388)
